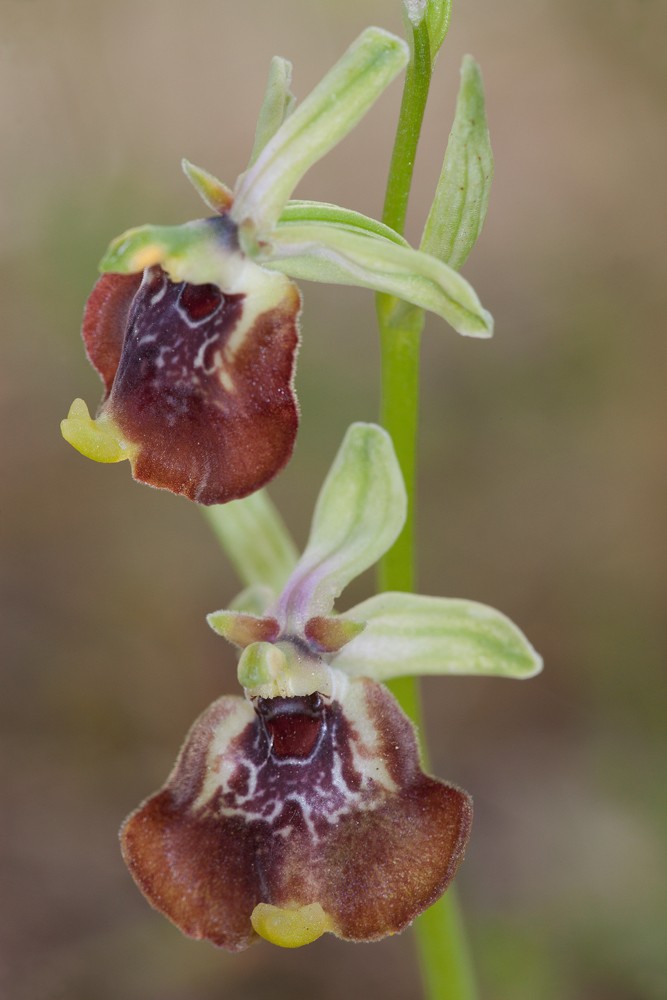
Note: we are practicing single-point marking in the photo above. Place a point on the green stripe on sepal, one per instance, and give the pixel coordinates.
(339, 254)
(462, 195)
(322, 211)
(407, 634)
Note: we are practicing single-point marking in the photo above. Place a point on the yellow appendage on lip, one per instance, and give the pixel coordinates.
(100, 439)
(290, 928)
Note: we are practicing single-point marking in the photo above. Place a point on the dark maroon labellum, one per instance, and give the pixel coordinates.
(199, 382)
(308, 800)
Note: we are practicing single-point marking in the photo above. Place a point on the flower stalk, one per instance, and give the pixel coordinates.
(442, 947)
(301, 806)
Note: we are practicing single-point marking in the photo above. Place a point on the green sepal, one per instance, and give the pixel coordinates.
(325, 117)
(278, 103)
(213, 192)
(259, 546)
(359, 513)
(348, 255)
(407, 635)
(462, 195)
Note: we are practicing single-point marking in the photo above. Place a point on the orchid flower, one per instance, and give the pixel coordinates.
(194, 328)
(303, 807)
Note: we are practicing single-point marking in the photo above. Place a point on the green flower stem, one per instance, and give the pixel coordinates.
(444, 956)
(399, 416)
(413, 104)
(443, 953)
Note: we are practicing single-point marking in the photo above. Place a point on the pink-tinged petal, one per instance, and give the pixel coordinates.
(105, 321)
(329, 635)
(202, 390)
(308, 801)
(242, 629)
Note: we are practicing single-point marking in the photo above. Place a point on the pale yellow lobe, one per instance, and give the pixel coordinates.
(97, 439)
(290, 928)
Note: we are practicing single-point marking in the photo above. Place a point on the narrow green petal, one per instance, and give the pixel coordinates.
(325, 117)
(407, 634)
(345, 255)
(243, 629)
(462, 196)
(254, 536)
(213, 192)
(359, 513)
(277, 105)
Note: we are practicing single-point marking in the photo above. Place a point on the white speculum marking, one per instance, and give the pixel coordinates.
(251, 781)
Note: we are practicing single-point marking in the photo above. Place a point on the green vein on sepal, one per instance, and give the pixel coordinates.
(321, 211)
(338, 254)
(411, 635)
(319, 122)
(359, 513)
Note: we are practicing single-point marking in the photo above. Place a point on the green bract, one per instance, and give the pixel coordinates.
(436, 13)
(462, 196)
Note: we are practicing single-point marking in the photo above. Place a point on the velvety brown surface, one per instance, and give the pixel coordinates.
(301, 818)
(105, 322)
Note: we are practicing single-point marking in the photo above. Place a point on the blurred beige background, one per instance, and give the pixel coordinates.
(542, 487)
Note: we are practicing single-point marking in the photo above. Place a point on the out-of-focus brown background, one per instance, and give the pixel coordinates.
(542, 487)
